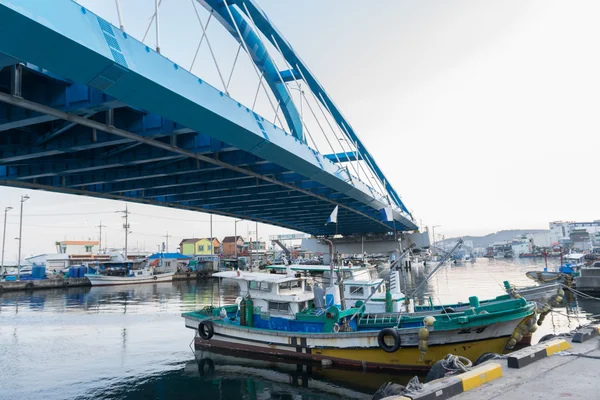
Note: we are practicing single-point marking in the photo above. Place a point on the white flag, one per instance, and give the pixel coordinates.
(333, 216)
(387, 214)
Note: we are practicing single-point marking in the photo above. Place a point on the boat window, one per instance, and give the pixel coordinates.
(279, 307)
(347, 274)
(290, 285)
(357, 290)
(256, 285)
(301, 306)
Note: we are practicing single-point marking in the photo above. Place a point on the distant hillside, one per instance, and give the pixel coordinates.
(501, 236)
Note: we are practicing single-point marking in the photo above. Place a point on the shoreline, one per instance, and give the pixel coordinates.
(64, 283)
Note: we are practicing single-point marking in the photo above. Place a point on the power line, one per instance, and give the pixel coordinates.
(67, 214)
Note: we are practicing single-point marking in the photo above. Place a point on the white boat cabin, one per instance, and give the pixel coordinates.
(360, 284)
(575, 259)
(280, 295)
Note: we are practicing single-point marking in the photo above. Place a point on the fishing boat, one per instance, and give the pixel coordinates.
(288, 316)
(539, 293)
(574, 260)
(589, 279)
(567, 271)
(143, 275)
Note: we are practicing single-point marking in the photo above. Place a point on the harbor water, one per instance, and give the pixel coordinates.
(129, 342)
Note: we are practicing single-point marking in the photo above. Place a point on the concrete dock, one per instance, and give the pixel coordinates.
(563, 367)
(552, 377)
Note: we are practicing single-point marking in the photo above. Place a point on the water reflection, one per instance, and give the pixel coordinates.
(129, 342)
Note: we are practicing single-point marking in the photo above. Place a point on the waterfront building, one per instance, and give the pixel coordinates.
(521, 245)
(200, 246)
(580, 239)
(69, 253)
(254, 246)
(580, 235)
(77, 247)
(229, 245)
(168, 262)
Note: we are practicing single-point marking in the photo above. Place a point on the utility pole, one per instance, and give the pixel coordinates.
(126, 226)
(23, 200)
(100, 237)
(6, 210)
(235, 237)
(167, 236)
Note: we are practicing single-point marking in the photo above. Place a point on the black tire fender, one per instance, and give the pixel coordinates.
(381, 340)
(206, 330)
(155, 278)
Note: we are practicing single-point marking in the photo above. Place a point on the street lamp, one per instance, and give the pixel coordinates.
(6, 210)
(235, 237)
(23, 200)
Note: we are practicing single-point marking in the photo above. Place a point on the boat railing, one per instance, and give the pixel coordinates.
(380, 318)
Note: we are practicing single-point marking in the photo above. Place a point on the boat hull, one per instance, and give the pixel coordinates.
(105, 280)
(360, 349)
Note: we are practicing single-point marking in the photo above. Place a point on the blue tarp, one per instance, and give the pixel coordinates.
(168, 256)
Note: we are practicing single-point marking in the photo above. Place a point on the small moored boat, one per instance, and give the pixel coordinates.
(143, 275)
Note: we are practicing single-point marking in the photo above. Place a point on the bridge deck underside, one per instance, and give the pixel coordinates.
(42, 151)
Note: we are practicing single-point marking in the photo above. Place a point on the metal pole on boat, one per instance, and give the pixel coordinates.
(330, 243)
(561, 255)
(6, 210)
(235, 239)
(212, 240)
(392, 266)
(442, 261)
(126, 229)
(362, 248)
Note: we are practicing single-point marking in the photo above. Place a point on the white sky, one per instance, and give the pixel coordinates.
(483, 115)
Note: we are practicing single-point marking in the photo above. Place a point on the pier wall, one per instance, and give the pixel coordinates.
(57, 283)
(44, 284)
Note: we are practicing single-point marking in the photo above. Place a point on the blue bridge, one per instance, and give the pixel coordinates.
(87, 109)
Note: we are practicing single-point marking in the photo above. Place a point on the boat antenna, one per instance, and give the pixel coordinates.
(392, 266)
